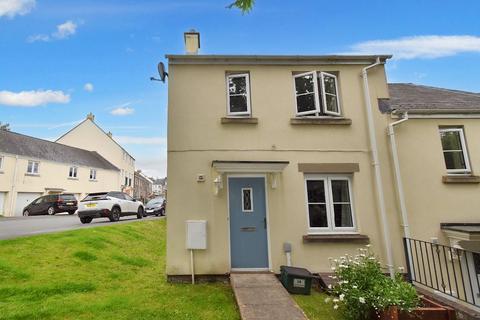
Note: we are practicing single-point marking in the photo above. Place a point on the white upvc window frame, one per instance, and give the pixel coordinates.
(329, 204)
(35, 167)
(324, 94)
(247, 87)
(2, 160)
(464, 150)
(93, 177)
(251, 200)
(73, 172)
(316, 94)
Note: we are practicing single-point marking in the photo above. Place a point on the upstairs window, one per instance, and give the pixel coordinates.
(1, 163)
(316, 94)
(32, 167)
(455, 150)
(93, 174)
(72, 173)
(238, 95)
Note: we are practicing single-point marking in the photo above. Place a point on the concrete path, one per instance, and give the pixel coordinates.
(27, 226)
(260, 296)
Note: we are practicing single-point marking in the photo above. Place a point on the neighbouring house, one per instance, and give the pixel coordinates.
(295, 159)
(159, 186)
(89, 136)
(142, 189)
(32, 167)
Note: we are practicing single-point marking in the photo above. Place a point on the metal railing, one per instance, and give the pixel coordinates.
(452, 271)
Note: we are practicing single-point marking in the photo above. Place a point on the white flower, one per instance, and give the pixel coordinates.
(361, 299)
(333, 268)
(335, 307)
(354, 287)
(327, 300)
(345, 281)
(368, 245)
(330, 286)
(342, 296)
(335, 300)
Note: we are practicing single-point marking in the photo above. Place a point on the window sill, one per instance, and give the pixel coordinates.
(32, 174)
(70, 178)
(320, 121)
(239, 120)
(341, 237)
(460, 179)
(93, 180)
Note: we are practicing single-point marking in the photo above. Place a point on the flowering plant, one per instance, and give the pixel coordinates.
(362, 288)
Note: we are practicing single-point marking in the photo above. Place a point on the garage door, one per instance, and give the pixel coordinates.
(23, 199)
(2, 203)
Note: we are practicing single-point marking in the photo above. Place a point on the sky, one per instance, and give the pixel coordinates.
(61, 59)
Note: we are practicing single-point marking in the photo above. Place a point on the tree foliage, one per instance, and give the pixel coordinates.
(244, 5)
(4, 126)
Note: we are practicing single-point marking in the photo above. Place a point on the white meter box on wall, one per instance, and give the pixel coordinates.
(196, 234)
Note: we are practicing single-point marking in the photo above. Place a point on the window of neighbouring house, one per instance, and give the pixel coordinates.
(1, 163)
(238, 95)
(32, 167)
(316, 94)
(72, 173)
(93, 174)
(455, 150)
(329, 203)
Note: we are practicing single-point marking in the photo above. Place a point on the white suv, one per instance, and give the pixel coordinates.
(111, 205)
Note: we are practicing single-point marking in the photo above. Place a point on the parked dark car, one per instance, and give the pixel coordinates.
(156, 207)
(52, 204)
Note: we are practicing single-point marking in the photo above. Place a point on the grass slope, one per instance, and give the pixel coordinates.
(316, 308)
(114, 272)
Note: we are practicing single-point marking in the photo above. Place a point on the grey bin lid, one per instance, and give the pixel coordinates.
(296, 272)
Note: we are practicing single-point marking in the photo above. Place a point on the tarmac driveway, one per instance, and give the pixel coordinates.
(26, 226)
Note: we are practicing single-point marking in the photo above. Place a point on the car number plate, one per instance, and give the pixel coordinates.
(91, 205)
(69, 203)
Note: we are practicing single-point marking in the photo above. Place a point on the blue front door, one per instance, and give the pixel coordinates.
(248, 222)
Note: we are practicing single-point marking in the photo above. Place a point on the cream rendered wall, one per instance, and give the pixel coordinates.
(429, 201)
(51, 175)
(197, 102)
(89, 136)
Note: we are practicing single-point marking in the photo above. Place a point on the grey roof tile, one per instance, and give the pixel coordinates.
(407, 96)
(19, 144)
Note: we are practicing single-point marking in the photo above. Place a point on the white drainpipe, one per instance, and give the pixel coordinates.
(398, 176)
(377, 169)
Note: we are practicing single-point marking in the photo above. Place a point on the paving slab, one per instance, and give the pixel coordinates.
(260, 296)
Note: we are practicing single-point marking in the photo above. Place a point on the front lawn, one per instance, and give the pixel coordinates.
(316, 308)
(114, 272)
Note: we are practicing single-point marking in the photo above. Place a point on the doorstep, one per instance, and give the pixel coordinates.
(260, 296)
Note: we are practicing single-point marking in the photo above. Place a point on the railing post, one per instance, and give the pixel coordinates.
(406, 247)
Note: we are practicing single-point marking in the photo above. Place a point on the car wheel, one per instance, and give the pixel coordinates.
(26, 213)
(71, 212)
(51, 211)
(115, 214)
(162, 213)
(140, 213)
(85, 220)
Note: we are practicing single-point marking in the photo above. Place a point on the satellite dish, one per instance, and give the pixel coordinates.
(161, 72)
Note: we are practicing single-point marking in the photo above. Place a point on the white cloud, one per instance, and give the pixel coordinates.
(11, 8)
(153, 165)
(141, 140)
(122, 111)
(64, 31)
(425, 47)
(33, 98)
(88, 87)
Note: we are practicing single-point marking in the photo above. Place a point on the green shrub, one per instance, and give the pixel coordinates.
(362, 289)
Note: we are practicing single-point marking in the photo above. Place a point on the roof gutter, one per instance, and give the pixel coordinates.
(376, 165)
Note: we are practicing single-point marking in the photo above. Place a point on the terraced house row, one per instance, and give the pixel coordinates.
(295, 159)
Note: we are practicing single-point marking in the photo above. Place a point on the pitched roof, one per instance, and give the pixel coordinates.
(22, 145)
(419, 98)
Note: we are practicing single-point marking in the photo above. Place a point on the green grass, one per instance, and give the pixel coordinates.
(114, 272)
(316, 308)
